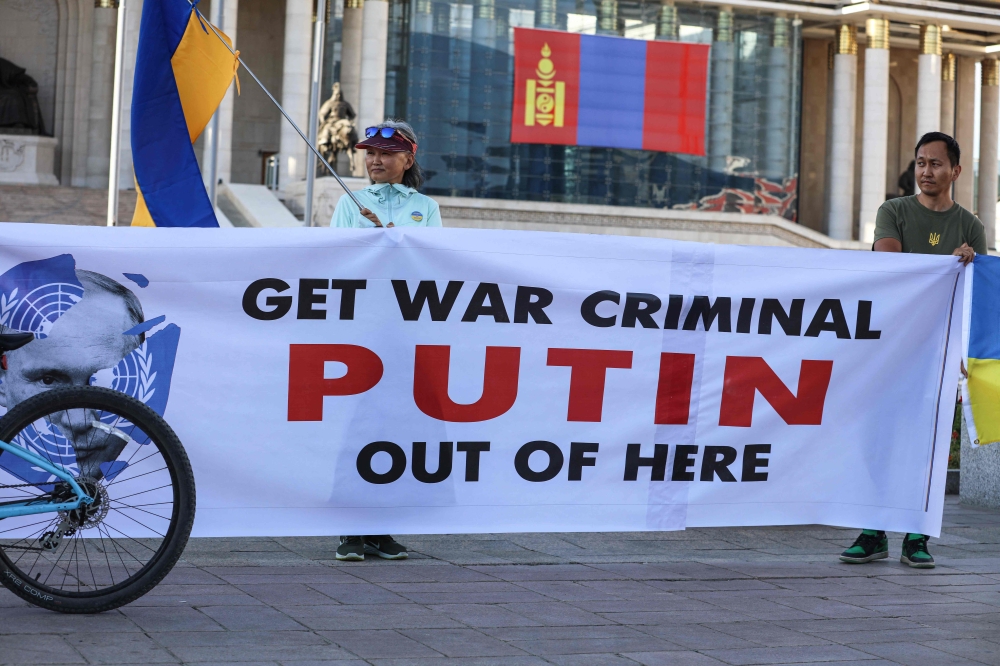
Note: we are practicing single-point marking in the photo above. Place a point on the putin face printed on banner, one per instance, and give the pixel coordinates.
(86, 338)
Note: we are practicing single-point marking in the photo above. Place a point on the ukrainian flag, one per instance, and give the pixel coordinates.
(981, 391)
(182, 72)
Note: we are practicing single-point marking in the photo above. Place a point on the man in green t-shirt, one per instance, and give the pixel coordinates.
(930, 222)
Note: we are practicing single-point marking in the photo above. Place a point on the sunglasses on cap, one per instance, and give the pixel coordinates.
(389, 133)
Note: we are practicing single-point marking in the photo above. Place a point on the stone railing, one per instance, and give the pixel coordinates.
(689, 225)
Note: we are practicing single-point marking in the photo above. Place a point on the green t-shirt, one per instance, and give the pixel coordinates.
(925, 231)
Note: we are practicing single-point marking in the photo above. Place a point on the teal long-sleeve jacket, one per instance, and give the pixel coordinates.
(399, 204)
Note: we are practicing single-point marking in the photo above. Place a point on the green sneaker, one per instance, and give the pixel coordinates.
(915, 552)
(351, 548)
(871, 545)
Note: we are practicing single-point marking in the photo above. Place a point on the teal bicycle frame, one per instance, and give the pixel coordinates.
(40, 505)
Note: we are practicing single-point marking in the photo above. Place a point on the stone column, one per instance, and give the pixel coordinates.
(965, 119)
(374, 38)
(222, 123)
(840, 196)
(948, 69)
(720, 111)
(295, 89)
(75, 166)
(133, 15)
(779, 87)
(350, 52)
(224, 151)
(350, 67)
(989, 117)
(875, 131)
(929, 81)
(98, 156)
(69, 17)
(224, 170)
(795, 96)
(667, 24)
(607, 17)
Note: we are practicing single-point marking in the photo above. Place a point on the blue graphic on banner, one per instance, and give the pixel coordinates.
(147, 325)
(139, 279)
(112, 469)
(34, 294)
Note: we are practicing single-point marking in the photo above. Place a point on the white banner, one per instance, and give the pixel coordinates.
(446, 381)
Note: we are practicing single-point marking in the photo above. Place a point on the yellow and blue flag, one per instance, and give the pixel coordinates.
(981, 391)
(182, 72)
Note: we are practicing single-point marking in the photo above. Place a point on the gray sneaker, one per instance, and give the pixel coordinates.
(385, 547)
(352, 548)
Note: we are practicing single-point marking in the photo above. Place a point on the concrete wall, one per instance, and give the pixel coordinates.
(256, 122)
(29, 32)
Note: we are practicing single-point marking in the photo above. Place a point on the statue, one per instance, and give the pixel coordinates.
(19, 110)
(337, 133)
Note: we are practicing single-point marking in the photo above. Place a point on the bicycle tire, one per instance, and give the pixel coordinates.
(182, 511)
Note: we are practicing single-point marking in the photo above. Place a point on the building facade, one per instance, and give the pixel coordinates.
(813, 107)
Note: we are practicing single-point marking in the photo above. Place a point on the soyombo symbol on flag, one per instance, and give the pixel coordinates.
(588, 90)
(182, 72)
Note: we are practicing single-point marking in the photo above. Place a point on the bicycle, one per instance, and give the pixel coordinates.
(102, 497)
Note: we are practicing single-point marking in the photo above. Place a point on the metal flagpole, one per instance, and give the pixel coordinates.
(116, 117)
(317, 69)
(267, 92)
(212, 135)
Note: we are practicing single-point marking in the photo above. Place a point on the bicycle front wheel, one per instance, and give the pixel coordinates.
(125, 456)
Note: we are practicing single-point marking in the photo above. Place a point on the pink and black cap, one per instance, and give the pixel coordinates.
(388, 139)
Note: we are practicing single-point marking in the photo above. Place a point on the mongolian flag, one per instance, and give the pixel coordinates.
(610, 92)
(981, 391)
(182, 72)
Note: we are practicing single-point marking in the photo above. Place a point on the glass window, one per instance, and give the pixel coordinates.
(450, 74)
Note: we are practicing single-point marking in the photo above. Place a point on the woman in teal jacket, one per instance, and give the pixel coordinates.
(392, 199)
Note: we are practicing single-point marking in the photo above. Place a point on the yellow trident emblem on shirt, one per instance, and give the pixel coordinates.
(934, 239)
(546, 101)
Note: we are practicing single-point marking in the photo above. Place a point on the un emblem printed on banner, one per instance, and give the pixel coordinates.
(44, 439)
(34, 296)
(145, 373)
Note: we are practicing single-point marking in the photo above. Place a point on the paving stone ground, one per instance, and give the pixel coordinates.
(700, 597)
